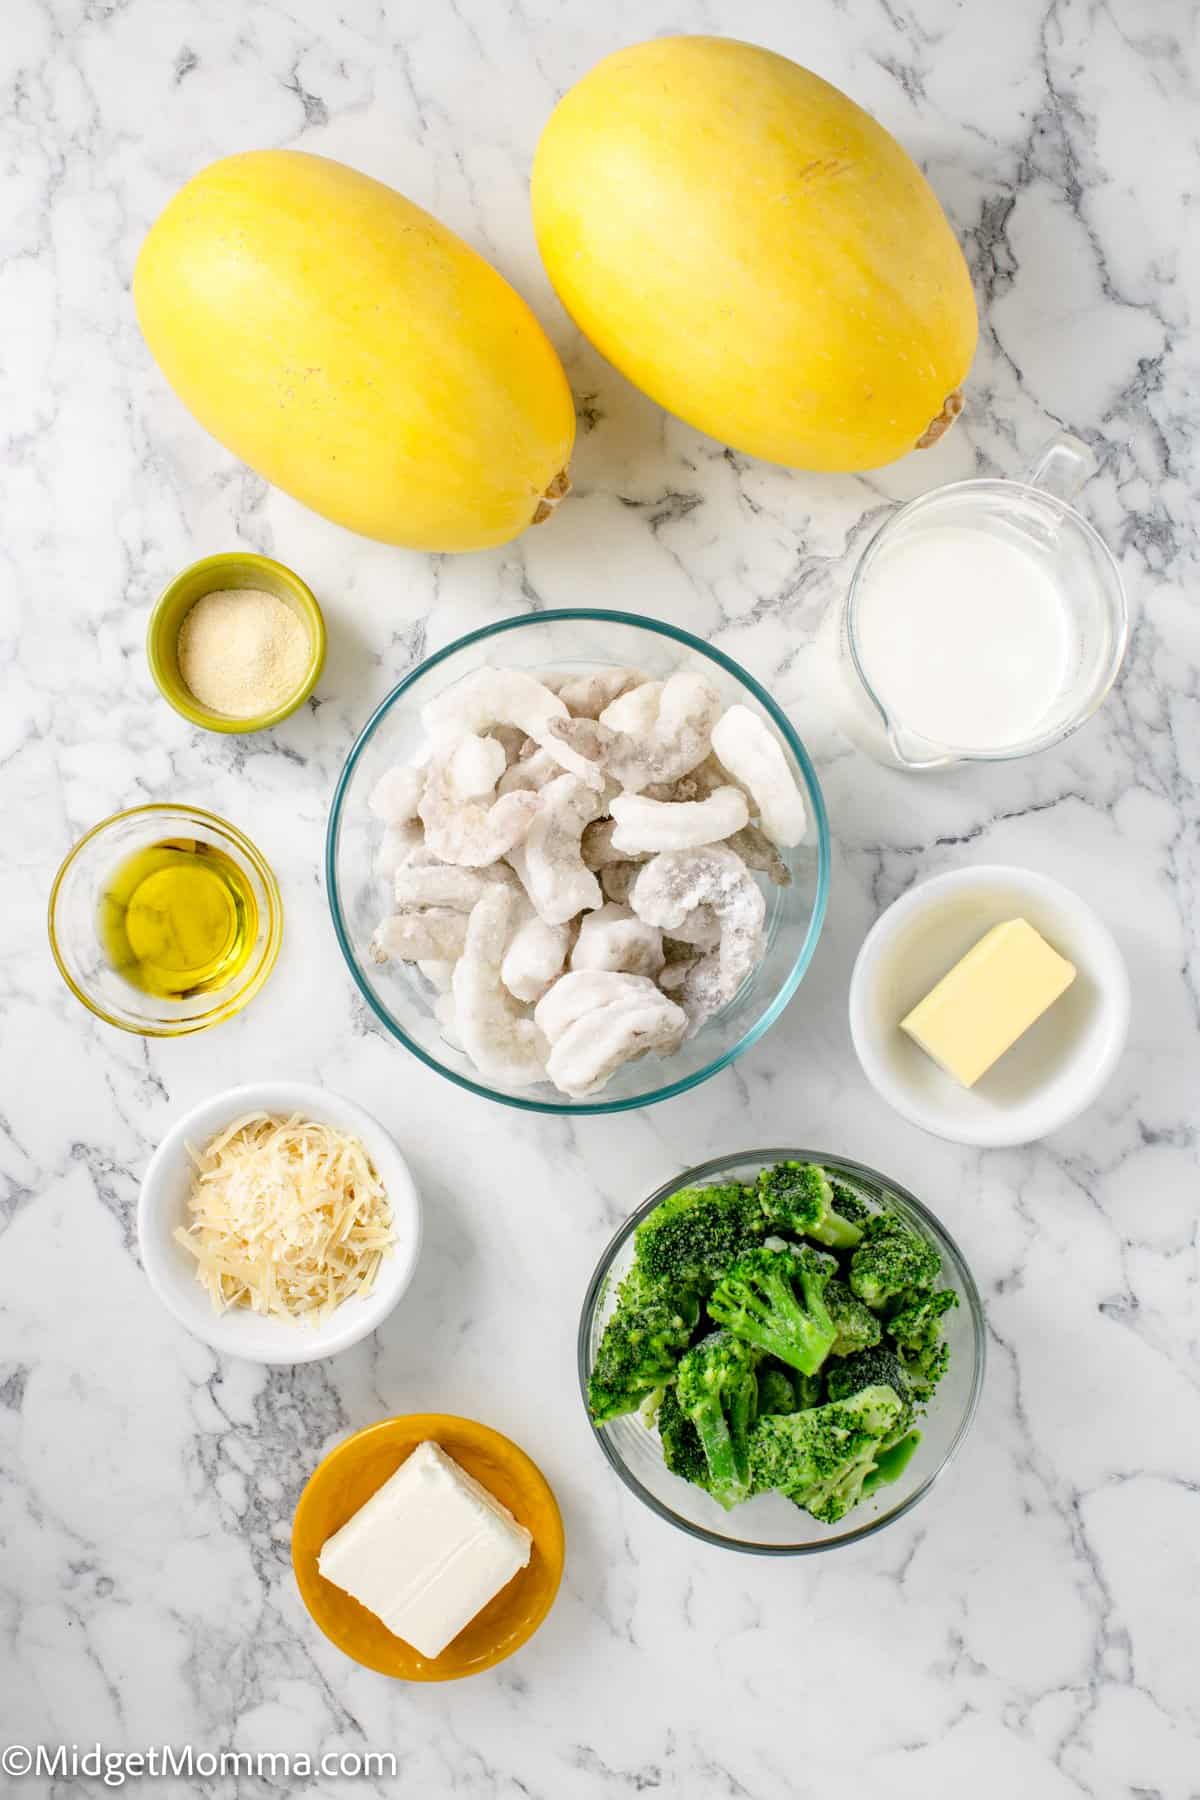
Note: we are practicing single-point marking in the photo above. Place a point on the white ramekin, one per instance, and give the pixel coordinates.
(162, 1206)
(1061, 1063)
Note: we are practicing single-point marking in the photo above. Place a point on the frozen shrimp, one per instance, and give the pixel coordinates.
(701, 929)
(470, 832)
(396, 847)
(582, 992)
(436, 884)
(532, 770)
(643, 824)
(673, 885)
(548, 862)
(615, 938)
(753, 755)
(679, 739)
(474, 767)
(396, 795)
(502, 1041)
(490, 697)
(535, 956)
(586, 696)
(426, 934)
(589, 1052)
(634, 711)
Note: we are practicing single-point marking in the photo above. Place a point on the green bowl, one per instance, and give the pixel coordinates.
(235, 569)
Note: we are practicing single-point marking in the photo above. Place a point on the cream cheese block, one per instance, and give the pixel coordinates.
(988, 1000)
(427, 1551)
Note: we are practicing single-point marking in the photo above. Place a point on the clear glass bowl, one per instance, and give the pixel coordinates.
(769, 1525)
(74, 908)
(575, 641)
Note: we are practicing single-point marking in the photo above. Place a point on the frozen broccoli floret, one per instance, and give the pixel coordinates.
(856, 1326)
(890, 1261)
(776, 1390)
(682, 1450)
(718, 1391)
(847, 1203)
(773, 1298)
(820, 1458)
(641, 1346)
(916, 1330)
(878, 1366)
(689, 1241)
(798, 1197)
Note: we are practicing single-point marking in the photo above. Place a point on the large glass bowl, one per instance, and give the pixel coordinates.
(769, 1525)
(576, 641)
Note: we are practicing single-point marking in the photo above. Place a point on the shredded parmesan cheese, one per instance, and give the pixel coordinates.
(289, 1218)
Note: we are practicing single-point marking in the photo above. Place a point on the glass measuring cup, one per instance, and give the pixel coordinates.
(1067, 562)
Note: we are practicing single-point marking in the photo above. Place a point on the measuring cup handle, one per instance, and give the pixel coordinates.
(1062, 466)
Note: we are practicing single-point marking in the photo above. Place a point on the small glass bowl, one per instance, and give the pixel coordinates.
(74, 907)
(567, 641)
(232, 569)
(770, 1525)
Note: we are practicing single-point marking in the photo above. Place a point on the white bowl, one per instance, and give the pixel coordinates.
(162, 1206)
(1051, 1073)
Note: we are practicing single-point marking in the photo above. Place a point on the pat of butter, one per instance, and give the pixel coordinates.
(988, 1000)
(427, 1551)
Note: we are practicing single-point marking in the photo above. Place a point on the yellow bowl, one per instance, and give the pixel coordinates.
(354, 1471)
(235, 569)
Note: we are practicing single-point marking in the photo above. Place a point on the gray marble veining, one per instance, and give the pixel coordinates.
(1032, 1628)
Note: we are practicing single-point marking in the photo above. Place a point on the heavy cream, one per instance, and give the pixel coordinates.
(965, 638)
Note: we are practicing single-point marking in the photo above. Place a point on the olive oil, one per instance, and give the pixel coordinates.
(178, 918)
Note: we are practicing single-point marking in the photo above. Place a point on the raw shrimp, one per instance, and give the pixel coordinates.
(615, 938)
(535, 956)
(505, 1045)
(474, 767)
(634, 711)
(470, 832)
(490, 697)
(701, 929)
(679, 739)
(396, 795)
(589, 1052)
(396, 847)
(582, 992)
(548, 863)
(426, 934)
(753, 755)
(512, 739)
(673, 885)
(586, 696)
(437, 884)
(533, 769)
(649, 825)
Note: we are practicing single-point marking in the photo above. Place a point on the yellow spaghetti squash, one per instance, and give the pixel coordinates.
(355, 352)
(756, 253)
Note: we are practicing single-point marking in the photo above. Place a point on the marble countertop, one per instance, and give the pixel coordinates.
(1032, 1628)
